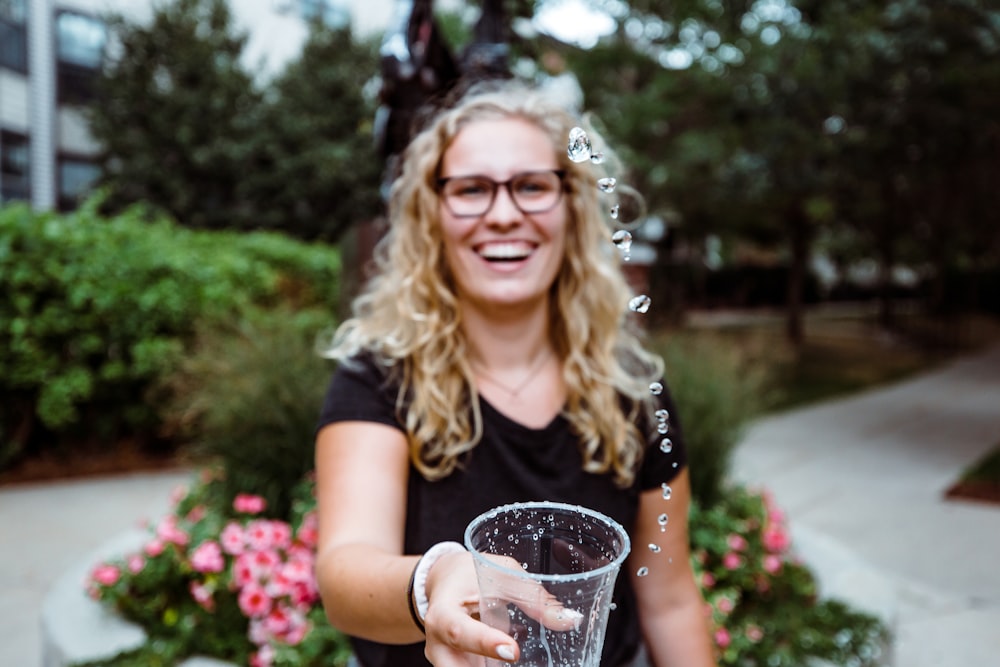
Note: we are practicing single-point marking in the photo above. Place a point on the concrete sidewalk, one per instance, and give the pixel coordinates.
(861, 479)
(869, 473)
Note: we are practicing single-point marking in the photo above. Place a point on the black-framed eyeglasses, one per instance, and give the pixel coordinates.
(531, 192)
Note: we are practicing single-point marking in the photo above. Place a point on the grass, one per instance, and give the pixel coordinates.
(844, 350)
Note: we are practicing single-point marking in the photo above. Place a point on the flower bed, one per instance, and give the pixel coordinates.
(224, 580)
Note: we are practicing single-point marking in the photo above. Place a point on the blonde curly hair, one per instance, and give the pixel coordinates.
(408, 316)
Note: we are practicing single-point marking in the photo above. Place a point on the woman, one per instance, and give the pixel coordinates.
(488, 361)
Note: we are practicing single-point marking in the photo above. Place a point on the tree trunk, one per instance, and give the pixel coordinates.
(798, 226)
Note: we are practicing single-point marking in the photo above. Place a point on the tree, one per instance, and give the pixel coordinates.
(173, 113)
(315, 170)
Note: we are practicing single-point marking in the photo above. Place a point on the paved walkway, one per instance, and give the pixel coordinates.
(862, 476)
(869, 473)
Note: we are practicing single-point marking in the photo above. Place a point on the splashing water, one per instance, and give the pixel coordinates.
(597, 157)
(607, 184)
(666, 445)
(615, 210)
(662, 521)
(623, 241)
(643, 571)
(579, 148)
(667, 491)
(639, 304)
(662, 415)
(655, 388)
(655, 548)
(663, 428)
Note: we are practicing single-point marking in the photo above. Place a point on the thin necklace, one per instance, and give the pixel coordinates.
(514, 391)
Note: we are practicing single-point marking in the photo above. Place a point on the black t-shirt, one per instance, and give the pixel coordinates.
(512, 463)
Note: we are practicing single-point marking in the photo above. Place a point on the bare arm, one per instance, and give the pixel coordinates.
(361, 481)
(671, 608)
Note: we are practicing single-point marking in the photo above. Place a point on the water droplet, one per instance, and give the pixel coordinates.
(666, 445)
(640, 304)
(615, 210)
(667, 491)
(662, 414)
(643, 571)
(614, 605)
(662, 520)
(623, 241)
(597, 157)
(607, 184)
(663, 428)
(655, 548)
(655, 388)
(578, 149)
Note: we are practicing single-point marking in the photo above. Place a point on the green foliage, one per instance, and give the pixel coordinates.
(97, 309)
(187, 129)
(764, 603)
(249, 395)
(718, 390)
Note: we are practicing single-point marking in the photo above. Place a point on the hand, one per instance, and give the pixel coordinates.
(455, 633)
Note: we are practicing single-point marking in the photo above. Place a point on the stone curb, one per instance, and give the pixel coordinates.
(76, 628)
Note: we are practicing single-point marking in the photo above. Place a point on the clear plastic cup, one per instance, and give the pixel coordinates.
(546, 576)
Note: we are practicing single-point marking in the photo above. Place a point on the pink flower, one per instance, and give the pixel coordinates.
(259, 535)
(725, 605)
(775, 539)
(277, 620)
(707, 580)
(196, 514)
(309, 530)
(253, 601)
(106, 575)
(246, 503)
(232, 539)
(732, 561)
(736, 542)
(169, 532)
(202, 594)
(722, 638)
(208, 557)
(135, 563)
(154, 547)
(754, 633)
(771, 563)
(264, 657)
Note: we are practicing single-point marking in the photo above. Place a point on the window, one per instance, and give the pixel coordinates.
(76, 179)
(80, 41)
(14, 35)
(15, 167)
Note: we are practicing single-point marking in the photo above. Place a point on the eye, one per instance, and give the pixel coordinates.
(468, 188)
(535, 184)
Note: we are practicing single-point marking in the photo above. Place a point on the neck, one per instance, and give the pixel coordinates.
(505, 341)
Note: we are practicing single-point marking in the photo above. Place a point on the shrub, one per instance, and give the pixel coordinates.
(763, 603)
(718, 390)
(248, 396)
(96, 309)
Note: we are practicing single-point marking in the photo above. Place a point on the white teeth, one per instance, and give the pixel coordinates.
(504, 251)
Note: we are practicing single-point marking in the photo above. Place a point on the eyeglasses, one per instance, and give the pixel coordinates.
(531, 192)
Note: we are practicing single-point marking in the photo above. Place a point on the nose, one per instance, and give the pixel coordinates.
(503, 210)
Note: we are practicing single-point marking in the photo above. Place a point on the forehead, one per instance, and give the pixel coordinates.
(499, 148)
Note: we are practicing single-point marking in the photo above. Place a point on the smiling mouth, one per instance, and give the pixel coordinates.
(513, 251)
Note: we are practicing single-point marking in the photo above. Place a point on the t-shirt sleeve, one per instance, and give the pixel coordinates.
(666, 452)
(360, 390)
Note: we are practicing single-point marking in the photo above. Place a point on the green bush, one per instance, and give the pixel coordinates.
(718, 390)
(248, 397)
(96, 309)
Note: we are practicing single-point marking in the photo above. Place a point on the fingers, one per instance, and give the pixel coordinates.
(453, 634)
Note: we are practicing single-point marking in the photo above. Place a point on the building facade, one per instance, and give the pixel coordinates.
(50, 52)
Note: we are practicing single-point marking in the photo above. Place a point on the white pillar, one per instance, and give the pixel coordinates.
(42, 103)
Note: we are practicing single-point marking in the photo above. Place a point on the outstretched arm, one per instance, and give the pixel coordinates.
(671, 608)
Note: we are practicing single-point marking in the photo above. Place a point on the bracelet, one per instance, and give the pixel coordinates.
(409, 602)
(420, 572)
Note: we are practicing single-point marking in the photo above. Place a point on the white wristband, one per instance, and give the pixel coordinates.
(424, 567)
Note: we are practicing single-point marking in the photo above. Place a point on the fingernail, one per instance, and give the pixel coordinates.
(573, 615)
(505, 652)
